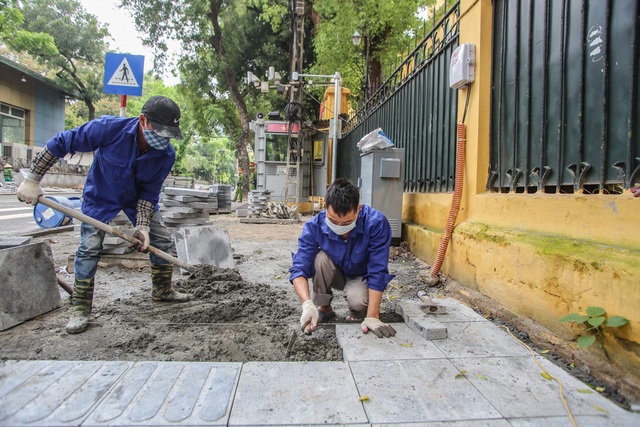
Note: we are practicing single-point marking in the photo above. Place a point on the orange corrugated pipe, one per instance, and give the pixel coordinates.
(455, 205)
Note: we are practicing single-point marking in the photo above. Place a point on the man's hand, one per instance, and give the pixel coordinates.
(378, 328)
(309, 316)
(635, 191)
(29, 191)
(142, 233)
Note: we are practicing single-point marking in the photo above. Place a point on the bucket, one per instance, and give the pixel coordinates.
(47, 217)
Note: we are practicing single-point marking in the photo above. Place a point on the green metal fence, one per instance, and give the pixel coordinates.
(416, 108)
(565, 107)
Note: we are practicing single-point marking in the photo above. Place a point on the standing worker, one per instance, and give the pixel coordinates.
(132, 158)
(7, 172)
(344, 247)
(237, 197)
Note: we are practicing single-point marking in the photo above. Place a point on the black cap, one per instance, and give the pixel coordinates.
(164, 115)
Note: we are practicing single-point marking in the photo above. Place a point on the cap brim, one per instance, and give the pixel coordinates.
(166, 131)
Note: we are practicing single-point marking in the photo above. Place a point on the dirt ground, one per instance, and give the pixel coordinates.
(249, 313)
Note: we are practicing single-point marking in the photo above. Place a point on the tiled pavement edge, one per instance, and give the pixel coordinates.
(477, 376)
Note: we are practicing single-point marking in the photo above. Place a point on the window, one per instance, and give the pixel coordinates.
(276, 148)
(11, 126)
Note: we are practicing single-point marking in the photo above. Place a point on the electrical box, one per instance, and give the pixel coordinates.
(462, 71)
(381, 185)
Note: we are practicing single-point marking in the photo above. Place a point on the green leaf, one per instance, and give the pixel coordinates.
(482, 377)
(596, 321)
(600, 389)
(598, 408)
(574, 317)
(615, 321)
(461, 374)
(595, 311)
(544, 352)
(586, 341)
(585, 390)
(408, 345)
(546, 376)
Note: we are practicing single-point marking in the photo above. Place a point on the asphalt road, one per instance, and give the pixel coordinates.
(16, 218)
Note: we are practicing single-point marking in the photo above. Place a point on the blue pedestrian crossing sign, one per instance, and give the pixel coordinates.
(123, 74)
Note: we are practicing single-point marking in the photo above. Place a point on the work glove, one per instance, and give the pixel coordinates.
(29, 191)
(309, 318)
(378, 328)
(141, 233)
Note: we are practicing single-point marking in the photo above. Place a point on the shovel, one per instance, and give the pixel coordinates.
(109, 229)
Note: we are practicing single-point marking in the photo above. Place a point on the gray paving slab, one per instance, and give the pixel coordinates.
(283, 393)
(627, 420)
(55, 393)
(465, 423)
(408, 391)
(515, 386)
(28, 287)
(425, 325)
(406, 344)
(478, 339)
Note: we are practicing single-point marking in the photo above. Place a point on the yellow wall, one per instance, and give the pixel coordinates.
(18, 94)
(541, 256)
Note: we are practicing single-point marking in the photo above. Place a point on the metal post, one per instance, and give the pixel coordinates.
(367, 78)
(337, 98)
(123, 106)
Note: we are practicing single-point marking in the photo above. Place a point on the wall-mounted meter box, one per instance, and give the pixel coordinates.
(461, 71)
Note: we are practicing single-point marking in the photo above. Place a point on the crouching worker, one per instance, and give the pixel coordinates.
(345, 247)
(132, 158)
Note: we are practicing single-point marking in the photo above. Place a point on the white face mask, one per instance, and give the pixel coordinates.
(340, 229)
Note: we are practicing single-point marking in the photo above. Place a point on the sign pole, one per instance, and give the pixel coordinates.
(123, 105)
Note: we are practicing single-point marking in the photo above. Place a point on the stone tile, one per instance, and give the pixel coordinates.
(628, 420)
(282, 393)
(28, 287)
(515, 386)
(170, 393)
(425, 325)
(478, 339)
(466, 423)
(405, 345)
(411, 391)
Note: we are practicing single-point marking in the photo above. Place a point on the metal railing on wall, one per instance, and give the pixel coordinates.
(565, 97)
(416, 108)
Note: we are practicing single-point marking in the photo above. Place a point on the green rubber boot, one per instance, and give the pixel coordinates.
(162, 289)
(82, 300)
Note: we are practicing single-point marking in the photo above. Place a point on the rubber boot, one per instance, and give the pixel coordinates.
(162, 289)
(82, 301)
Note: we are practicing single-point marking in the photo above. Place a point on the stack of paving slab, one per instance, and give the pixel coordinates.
(223, 191)
(114, 245)
(186, 207)
(258, 200)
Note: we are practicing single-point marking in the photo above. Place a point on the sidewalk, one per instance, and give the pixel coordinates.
(477, 376)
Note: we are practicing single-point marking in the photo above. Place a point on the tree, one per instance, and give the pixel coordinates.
(18, 39)
(386, 26)
(81, 43)
(221, 41)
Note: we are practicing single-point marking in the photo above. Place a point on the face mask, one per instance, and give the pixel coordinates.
(154, 140)
(340, 229)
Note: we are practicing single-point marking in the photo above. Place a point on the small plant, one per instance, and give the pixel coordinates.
(594, 321)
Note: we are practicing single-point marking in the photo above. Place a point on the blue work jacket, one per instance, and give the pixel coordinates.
(364, 253)
(119, 175)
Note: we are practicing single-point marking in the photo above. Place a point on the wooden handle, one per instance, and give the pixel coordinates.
(109, 229)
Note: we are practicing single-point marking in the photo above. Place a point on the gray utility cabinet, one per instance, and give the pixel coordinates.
(382, 184)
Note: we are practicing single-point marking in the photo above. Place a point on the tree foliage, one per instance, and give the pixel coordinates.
(19, 39)
(221, 41)
(387, 27)
(81, 43)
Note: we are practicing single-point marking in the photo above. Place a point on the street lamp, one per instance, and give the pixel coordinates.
(356, 38)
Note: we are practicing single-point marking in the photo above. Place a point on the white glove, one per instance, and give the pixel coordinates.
(309, 316)
(142, 233)
(29, 191)
(378, 328)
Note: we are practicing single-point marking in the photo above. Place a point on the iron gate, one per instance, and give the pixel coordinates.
(416, 108)
(565, 106)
